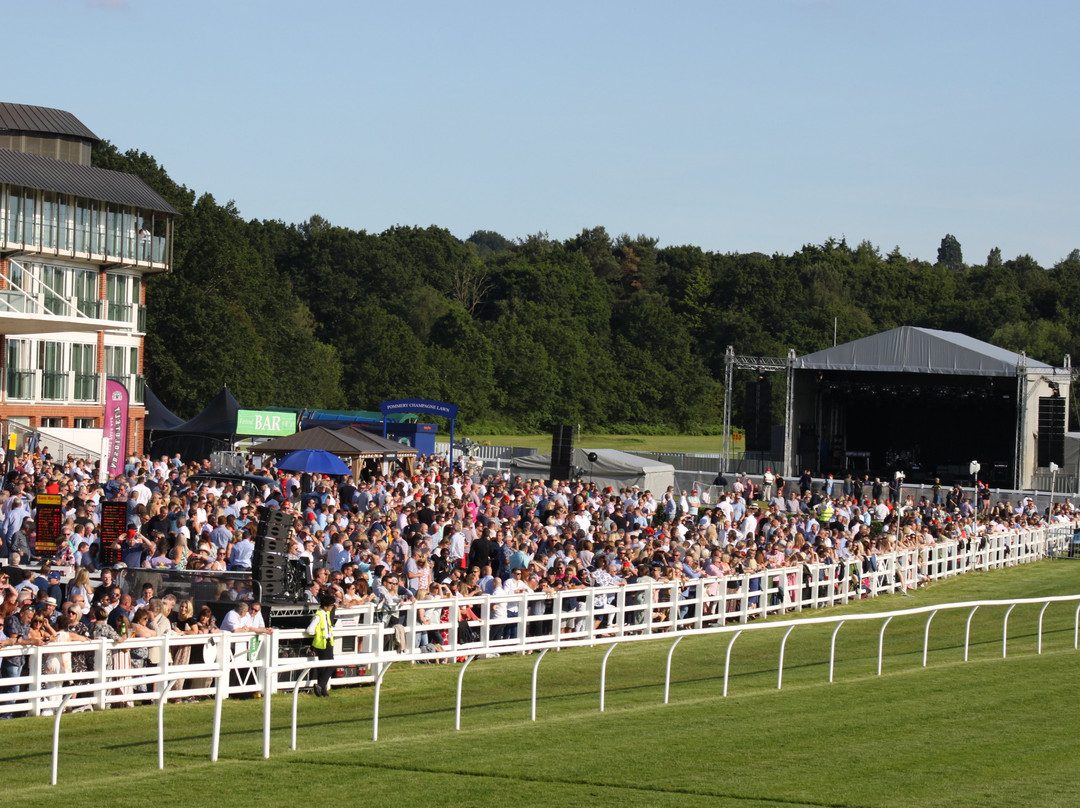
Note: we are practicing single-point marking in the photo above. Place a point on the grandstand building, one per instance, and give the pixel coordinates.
(76, 246)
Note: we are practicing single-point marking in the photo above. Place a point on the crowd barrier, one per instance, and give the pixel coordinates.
(436, 630)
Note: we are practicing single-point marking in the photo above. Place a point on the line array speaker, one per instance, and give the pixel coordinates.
(1051, 443)
(562, 452)
(271, 552)
(758, 415)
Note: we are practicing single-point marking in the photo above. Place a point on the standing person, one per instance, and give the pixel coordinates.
(321, 631)
(768, 480)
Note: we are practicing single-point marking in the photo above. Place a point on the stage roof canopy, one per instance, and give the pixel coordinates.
(920, 350)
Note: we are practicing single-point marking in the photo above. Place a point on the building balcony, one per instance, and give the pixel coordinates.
(54, 385)
(134, 383)
(97, 237)
(66, 387)
(48, 313)
(19, 384)
(85, 387)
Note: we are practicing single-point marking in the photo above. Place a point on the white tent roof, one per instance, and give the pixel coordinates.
(612, 467)
(910, 349)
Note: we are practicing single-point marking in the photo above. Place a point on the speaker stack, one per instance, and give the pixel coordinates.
(562, 452)
(758, 416)
(271, 552)
(1051, 441)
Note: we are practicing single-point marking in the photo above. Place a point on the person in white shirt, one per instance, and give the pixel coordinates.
(749, 524)
(240, 620)
(457, 545)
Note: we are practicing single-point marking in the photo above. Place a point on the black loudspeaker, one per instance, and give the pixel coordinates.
(274, 523)
(562, 452)
(758, 415)
(272, 552)
(272, 589)
(1051, 443)
(269, 552)
(272, 575)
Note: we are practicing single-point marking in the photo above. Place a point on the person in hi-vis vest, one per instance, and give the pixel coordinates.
(321, 631)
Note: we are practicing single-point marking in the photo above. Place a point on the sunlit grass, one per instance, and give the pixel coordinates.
(988, 732)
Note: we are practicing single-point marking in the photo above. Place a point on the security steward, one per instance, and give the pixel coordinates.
(321, 631)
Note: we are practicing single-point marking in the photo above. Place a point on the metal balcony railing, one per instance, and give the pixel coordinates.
(119, 312)
(54, 385)
(20, 384)
(89, 308)
(86, 387)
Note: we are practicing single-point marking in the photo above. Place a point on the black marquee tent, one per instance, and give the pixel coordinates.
(213, 429)
(158, 416)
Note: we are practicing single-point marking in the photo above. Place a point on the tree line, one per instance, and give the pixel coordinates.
(610, 332)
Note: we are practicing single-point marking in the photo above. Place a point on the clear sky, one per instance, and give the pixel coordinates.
(734, 126)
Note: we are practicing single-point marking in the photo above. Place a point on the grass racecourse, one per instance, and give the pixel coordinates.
(987, 732)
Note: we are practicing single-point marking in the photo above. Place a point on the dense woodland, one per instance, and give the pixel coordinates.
(610, 332)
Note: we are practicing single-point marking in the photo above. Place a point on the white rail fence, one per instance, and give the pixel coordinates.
(506, 623)
(246, 664)
(259, 660)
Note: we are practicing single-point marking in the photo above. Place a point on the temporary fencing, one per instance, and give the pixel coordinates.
(369, 642)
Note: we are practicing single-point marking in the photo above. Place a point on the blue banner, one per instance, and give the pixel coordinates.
(423, 405)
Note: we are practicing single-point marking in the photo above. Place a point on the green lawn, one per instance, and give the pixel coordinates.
(691, 444)
(989, 732)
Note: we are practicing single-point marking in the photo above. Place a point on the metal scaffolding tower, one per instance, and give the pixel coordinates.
(758, 364)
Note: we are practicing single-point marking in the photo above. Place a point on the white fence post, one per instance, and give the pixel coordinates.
(165, 688)
(603, 674)
(56, 736)
(832, 649)
(667, 670)
(457, 704)
(881, 643)
(926, 637)
(727, 658)
(222, 690)
(536, 668)
(780, 664)
(1005, 632)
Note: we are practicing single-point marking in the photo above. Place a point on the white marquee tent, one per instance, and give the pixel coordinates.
(611, 468)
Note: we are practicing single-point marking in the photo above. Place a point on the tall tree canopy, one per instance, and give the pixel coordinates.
(606, 331)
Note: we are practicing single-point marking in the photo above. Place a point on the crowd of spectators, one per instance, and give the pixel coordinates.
(431, 531)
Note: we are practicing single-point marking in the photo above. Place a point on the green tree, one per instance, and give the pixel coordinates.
(488, 243)
(949, 253)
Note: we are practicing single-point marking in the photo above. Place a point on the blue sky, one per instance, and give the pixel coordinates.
(735, 126)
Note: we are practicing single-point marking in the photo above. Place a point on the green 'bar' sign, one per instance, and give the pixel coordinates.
(265, 422)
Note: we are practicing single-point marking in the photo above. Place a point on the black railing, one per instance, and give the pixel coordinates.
(20, 384)
(54, 385)
(119, 312)
(86, 387)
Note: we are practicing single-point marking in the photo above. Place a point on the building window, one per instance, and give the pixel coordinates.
(116, 364)
(52, 423)
(52, 285)
(31, 219)
(83, 218)
(86, 293)
(85, 423)
(118, 291)
(64, 224)
(14, 216)
(20, 376)
(53, 373)
(84, 365)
